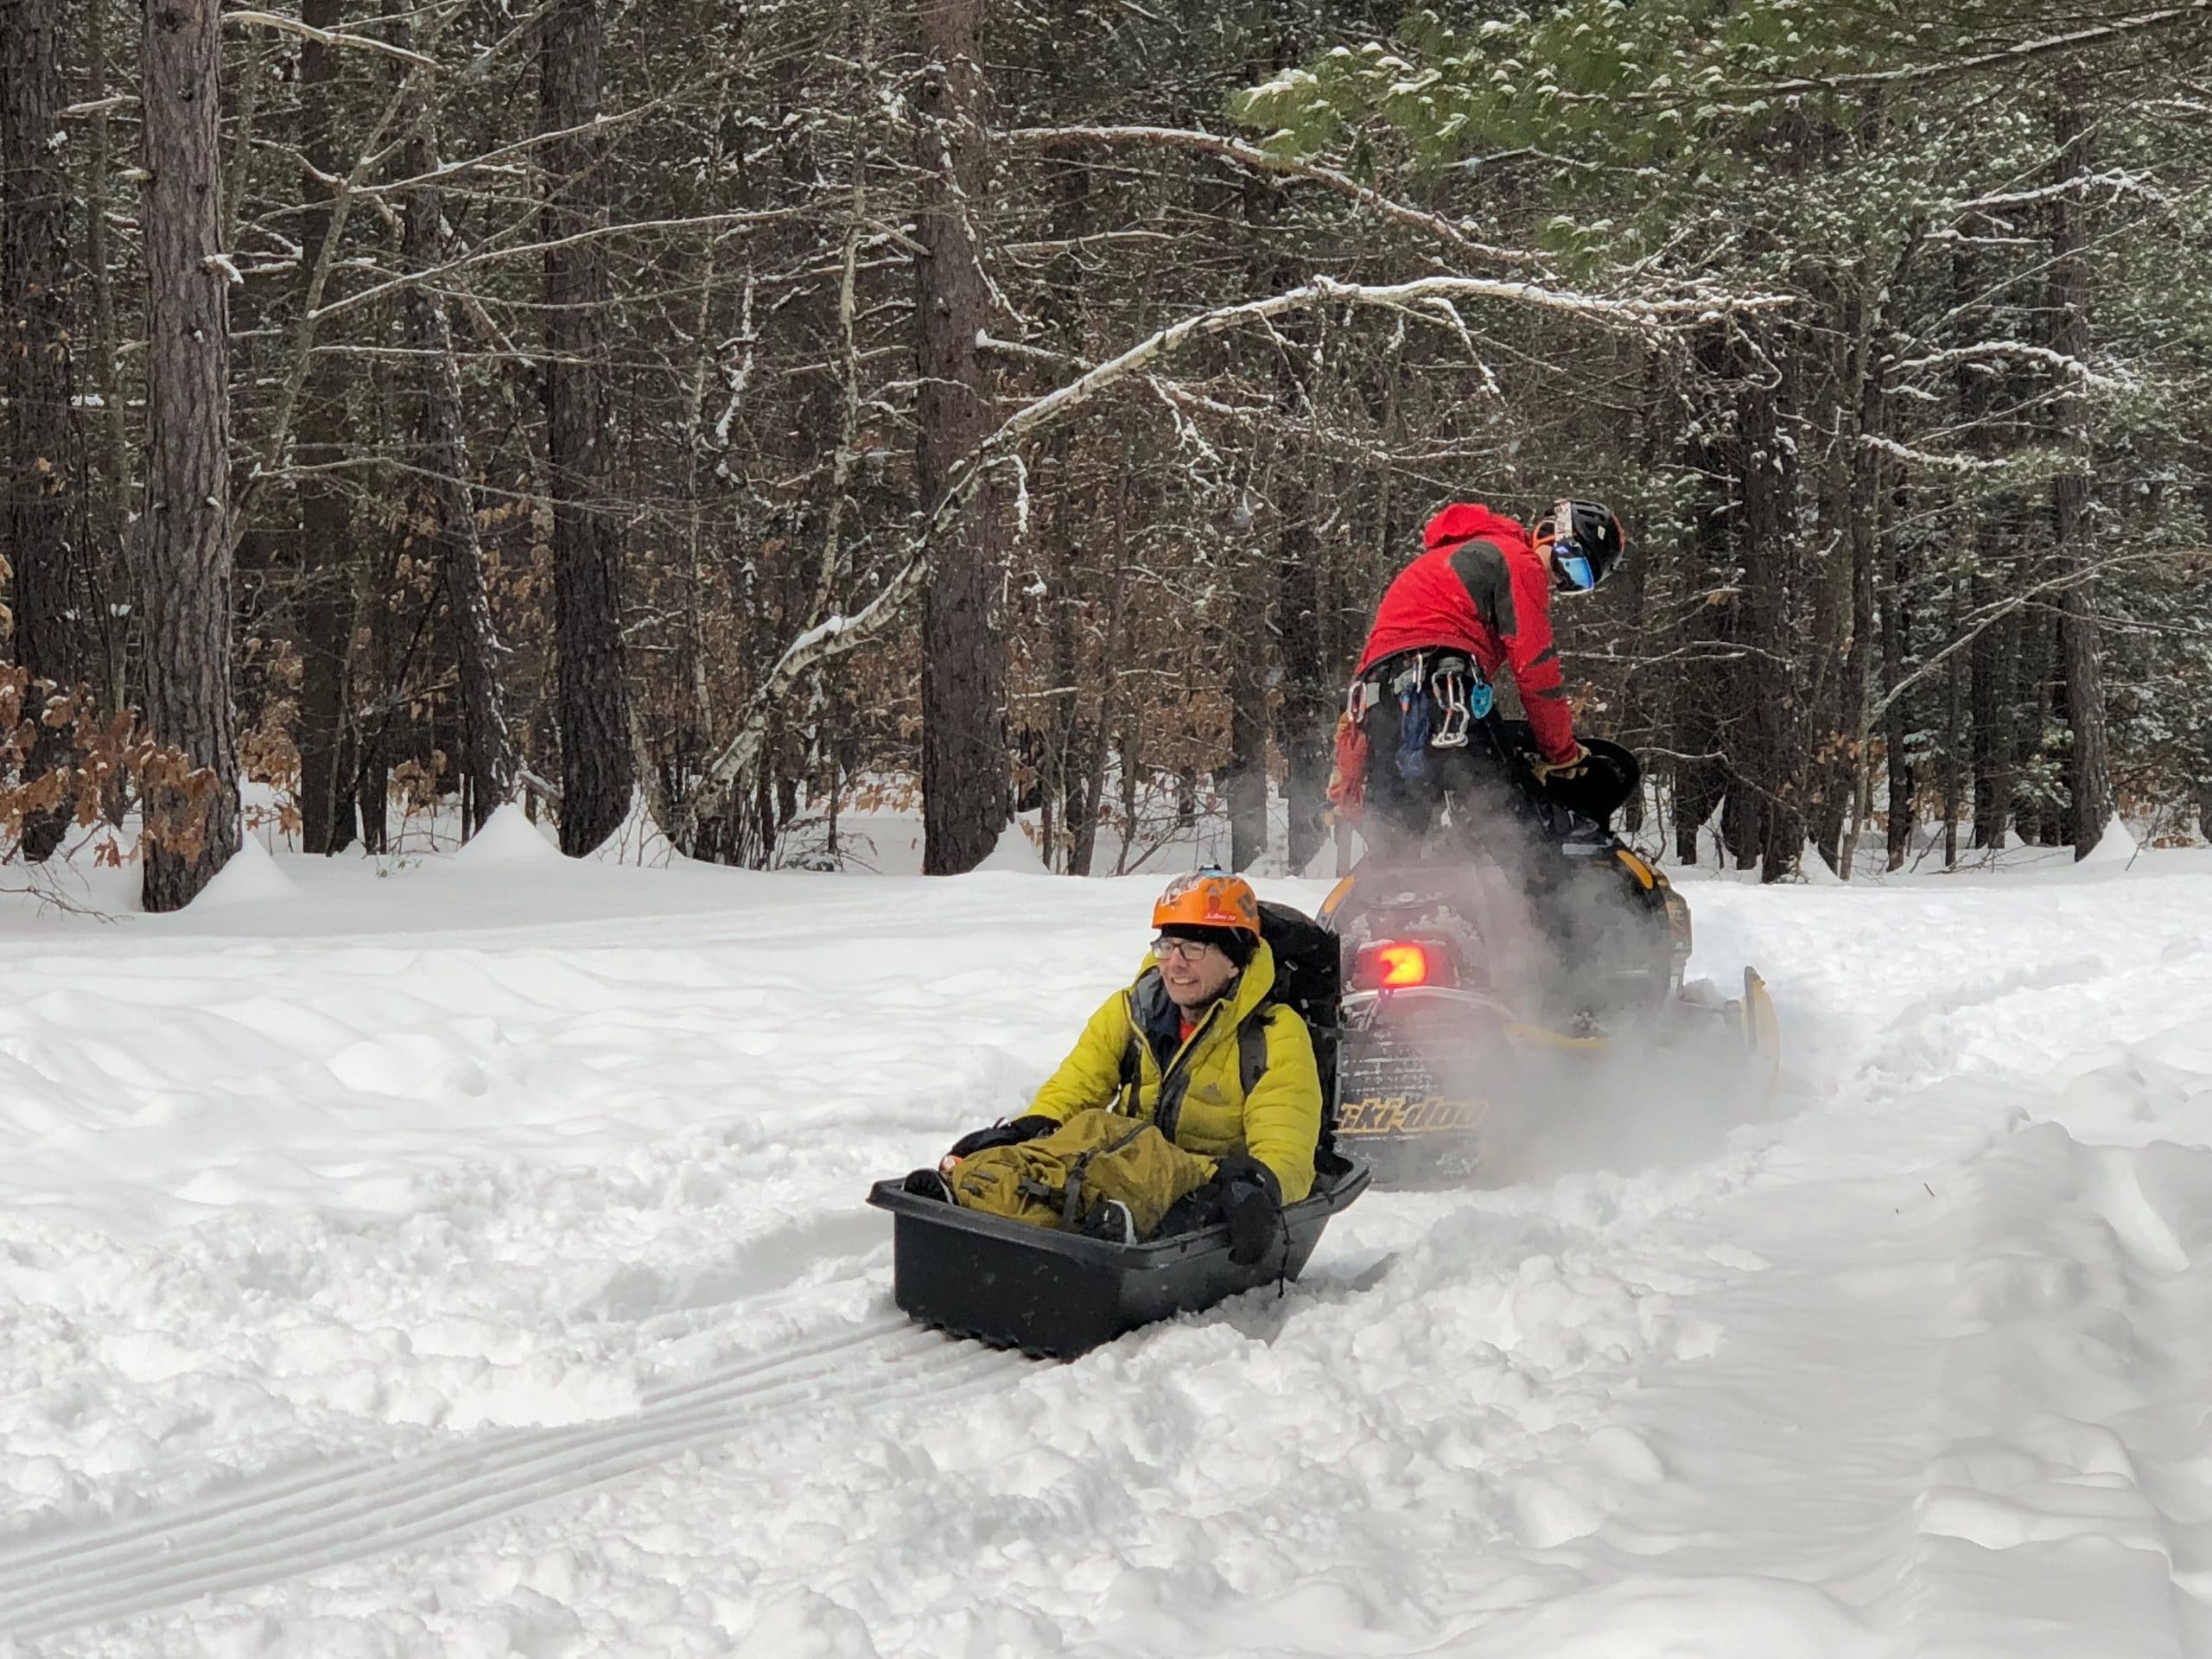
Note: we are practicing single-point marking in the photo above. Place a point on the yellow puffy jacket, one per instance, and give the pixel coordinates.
(1207, 1111)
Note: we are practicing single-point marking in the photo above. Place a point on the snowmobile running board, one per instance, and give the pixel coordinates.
(1056, 1295)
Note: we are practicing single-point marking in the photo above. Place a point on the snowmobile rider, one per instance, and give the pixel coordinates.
(1188, 1091)
(1419, 722)
(1420, 727)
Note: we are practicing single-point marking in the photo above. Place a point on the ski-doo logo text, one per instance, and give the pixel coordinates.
(1410, 1115)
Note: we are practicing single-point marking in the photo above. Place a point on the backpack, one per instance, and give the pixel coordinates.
(1309, 981)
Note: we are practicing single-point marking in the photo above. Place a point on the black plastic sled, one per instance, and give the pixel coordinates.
(1056, 1294)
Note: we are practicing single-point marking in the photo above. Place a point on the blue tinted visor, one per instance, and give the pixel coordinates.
(1575, 571)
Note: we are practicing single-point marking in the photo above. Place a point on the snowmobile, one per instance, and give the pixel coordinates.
(1421, 1033)
(1450, 1047)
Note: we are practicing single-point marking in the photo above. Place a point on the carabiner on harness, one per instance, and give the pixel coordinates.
(1463, 697)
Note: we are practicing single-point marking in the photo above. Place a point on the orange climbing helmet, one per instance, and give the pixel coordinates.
(1209, 899)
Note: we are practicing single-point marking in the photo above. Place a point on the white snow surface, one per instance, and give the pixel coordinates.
(467, 1258)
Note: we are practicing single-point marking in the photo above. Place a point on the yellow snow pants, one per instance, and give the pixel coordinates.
(1058, 1179)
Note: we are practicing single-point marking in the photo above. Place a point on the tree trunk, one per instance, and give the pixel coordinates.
(2089, 771)
(1082, 848)
(2038, 698)
(591, 700)
(1303, 720)
(193, 824)
(1952, 771)
(112, 577)
(1868, 466)
(370, 787)
(1830, 725)
(965, 792)
(1640, 702)
(1769, 555)
(1241, 646)
(1255, 655)
(34, 333)
(1061, 790)
(1129, 742)
(1996, 667)
(325, 544)
(1897, 644)
(1990, 666)
(1244, 658)
(1079, 751)
(488, 767)
(1706, 702)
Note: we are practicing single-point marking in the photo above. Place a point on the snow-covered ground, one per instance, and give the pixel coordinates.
(468, 1259)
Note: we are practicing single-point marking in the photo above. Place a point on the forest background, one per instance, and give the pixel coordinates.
(763, 413)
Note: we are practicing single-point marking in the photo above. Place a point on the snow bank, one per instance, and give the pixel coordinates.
(1814, 869)
(508, 837)
(638, 839)
(2116, 847)
(251, 878)
(1014, 850)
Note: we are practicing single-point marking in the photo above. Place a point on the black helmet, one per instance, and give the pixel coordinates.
(1586, 541)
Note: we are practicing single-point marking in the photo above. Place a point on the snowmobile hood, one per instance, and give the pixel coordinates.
(1465, 521)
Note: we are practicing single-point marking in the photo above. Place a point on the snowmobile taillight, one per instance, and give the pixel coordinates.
(1397, 965)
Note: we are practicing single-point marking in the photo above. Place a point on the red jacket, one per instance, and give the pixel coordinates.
(1481, 587)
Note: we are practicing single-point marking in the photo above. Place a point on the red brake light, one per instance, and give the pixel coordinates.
(1391, 966)
(1403, 964)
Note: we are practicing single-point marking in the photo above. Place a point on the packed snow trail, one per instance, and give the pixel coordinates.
(303, 1521)
(469, 1260)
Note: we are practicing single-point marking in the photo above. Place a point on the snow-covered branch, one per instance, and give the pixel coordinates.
(2016, 55)
(1640, 315)
(2120, 184)
(1241, 154)
(328, 36)
(2070, 367)
(1933, 462)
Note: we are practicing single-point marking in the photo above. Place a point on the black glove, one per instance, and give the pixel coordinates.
(1251, 1203)
(1003, 1135)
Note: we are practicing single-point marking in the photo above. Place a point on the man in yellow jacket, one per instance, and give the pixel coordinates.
(1189, 1082)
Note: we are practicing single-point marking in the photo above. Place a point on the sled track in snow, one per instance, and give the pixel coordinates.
(304, 1519)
